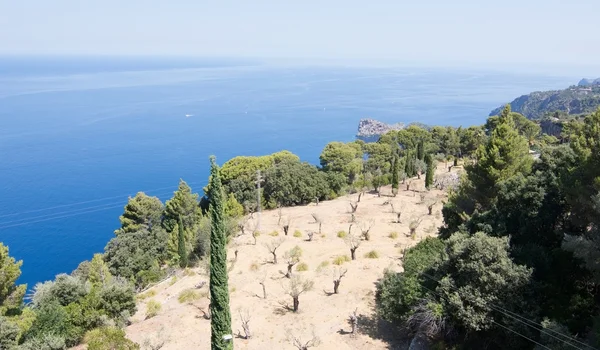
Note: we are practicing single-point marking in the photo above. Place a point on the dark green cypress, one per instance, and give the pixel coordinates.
(421, 150)
(409, 168)
(395, 170)
(219, 289)
(430, 171)
(181, 249)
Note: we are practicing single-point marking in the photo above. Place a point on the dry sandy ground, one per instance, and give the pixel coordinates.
(182, 326)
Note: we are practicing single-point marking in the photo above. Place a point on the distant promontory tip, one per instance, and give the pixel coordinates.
(371, 129)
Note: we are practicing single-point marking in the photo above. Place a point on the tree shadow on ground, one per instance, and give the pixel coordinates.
(377, 328)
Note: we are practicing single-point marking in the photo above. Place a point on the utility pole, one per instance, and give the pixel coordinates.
(258, 180)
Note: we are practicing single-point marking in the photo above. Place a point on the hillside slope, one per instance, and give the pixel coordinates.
(182, 325)
(571, 101)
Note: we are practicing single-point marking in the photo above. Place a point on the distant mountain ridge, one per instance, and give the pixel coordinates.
(588, 82)
(583, 98)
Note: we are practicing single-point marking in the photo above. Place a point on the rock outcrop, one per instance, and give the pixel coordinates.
(369, 130)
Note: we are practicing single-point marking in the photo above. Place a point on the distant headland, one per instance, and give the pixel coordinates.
(576, 100)
(369, 130)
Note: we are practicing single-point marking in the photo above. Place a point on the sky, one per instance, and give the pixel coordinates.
(503, 32)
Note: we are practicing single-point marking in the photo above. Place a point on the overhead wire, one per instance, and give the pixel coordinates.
(531, 324)
(83, 202)
(72, 212)
(494, 321)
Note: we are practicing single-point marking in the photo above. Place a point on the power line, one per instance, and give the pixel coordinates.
(512, 330)
(59, 217)
(493, 321)
(89, 201)
(67, 213)
(532, 324)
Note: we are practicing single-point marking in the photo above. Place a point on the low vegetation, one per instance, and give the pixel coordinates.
(373, 254)
(340, 260)
(302, 267)
(188, 295)
(153, 307)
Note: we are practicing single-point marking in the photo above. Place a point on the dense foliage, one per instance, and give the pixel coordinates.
(517, 257)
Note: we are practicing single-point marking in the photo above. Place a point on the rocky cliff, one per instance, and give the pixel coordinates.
(369, 130)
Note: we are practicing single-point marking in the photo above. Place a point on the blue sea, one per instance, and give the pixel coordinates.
(78, 135)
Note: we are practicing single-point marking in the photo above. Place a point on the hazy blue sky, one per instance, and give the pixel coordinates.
(478, 31)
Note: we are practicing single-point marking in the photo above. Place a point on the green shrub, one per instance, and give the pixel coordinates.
(342, 234)
(152, 308)
(339, 260)
(188, 296)
(188, 272)
(274, 234)
(109, 338)
(322, 265)
(146, 295)
(297, 234)
(302, 267)
(373, 254)
(393, 235)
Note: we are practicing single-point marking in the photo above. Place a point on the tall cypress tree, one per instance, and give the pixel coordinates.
(395, 170)
(430, 171)
(181, 248)
(219, 290)
(421, 149)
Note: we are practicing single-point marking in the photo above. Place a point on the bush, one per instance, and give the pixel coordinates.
(393, 235)
(117, 298)
(44, 342)
(322, 265)
(188, 295)
(65, 289)
(373, 254)
(106, 338)
(188, 272)
(254, 267)
(297, 234)
(152, 308)
(302, 267)
(339, 260)
(342, 234)
(274, 234)
(148, 294)
(173, 280)
(8, 333)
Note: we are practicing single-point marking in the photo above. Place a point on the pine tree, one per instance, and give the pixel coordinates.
(395, 171)
(181, 245)
(184, 204)
(219, 289)
(505, 154)
(430, 171)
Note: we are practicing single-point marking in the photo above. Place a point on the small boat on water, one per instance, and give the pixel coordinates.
(189, 115)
